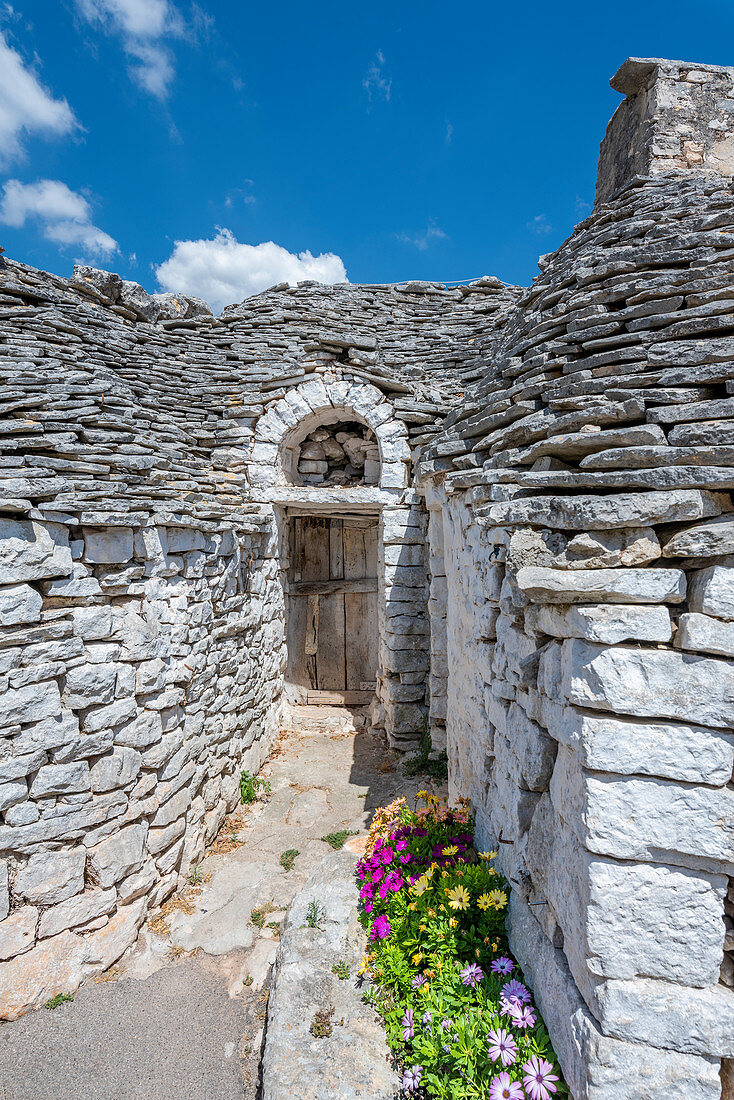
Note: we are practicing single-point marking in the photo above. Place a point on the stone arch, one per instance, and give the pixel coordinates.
(316, 402)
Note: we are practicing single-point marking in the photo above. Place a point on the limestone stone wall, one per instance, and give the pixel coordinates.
(588, 533)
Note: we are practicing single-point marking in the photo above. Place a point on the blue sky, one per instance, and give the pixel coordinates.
(391, 140)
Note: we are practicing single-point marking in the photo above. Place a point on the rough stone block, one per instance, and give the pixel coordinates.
(639, 746)
(643, 683)
(708, 539)
(108, 546)
(31, 551)
(712, 592)
(118, 856)
(602, 585)
(608, 623)
(75, 911)
(115, 769)
(61, 779)
(18, 932)
(51, 877)
(706, 635)
(89, 685)
(19, 603)
(31, 703)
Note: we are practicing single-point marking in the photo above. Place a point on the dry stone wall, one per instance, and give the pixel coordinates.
(584, 494)
(556, 605)
(141, 603)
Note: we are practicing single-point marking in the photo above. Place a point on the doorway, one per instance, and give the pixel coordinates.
(332, 609)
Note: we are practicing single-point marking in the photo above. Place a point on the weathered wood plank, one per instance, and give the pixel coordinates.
(325, 588)
(331, 656)
(340, 698)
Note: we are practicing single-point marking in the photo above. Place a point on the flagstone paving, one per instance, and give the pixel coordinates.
(182, 1014)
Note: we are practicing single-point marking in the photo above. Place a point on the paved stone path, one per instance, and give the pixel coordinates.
(181, 1017)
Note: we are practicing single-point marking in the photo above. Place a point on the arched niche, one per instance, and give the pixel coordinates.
(280, 432)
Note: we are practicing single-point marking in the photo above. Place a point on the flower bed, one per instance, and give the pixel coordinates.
(458, 1016)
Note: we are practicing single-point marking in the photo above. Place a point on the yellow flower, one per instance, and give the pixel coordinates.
(487, 855)
(365, 964)
(438, 964)
(452, 850)
(497, 899)
(417, 958)
(453, 922)
(420, 886)
(458, 897)
(484, 901)
(423, 795)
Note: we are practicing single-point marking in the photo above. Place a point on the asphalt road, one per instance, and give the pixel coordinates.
(177, 1035)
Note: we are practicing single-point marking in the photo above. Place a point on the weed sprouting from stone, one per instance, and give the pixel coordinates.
(322, 1024)
(251, 786)
(338, 840)
(196, 875)
(341, 969)
(314, 913)
(59, 999)
(260, 912)
(288, 858)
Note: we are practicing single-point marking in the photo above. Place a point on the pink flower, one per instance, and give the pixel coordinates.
(503, 965)
(502, 1088)
(538, 1079)
(515, 991)
(471, 974)
(386, 855)
(401, 845)
(522, 1015)
(502, 1046)
(380, 929)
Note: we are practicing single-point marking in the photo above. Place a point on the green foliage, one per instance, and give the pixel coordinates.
(288, 858)
(342, 970)
(338, 840)
(59, 999)
(251, 786)
(314, 913)
(196, 875)
(322, 1024)
(248, 979)
(424, 938)
(421, 764)
(258, 915)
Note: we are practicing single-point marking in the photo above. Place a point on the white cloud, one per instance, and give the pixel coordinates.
(376, 84)
(224, 270)
(421, 241)
(63, 216)
(144, 26)
(26, 107)
(540, 225)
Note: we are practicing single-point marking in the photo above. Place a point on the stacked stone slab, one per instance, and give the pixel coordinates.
(585, 497)
(556, 605)
(141, 604)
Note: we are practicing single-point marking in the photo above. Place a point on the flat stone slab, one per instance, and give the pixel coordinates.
(353, 1063)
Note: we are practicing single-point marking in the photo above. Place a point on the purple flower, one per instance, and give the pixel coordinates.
(368, 907)
(367, 891)
(502, 1046)
(503, 965)
(538, 1079)
(412, 1078)
(471, 974)
(401, 845)
(408, 1025)
(502, 1088)
(380, 929)
(419, 980)
(522, 1015)
(394, 881)
(515, 991)
(405, 857)
(446, 1025)
(427, 1020)
(386, 855)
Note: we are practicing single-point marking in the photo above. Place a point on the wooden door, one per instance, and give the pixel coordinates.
(332, 609)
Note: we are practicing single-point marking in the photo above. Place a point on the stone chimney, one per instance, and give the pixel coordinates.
(676, 116)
